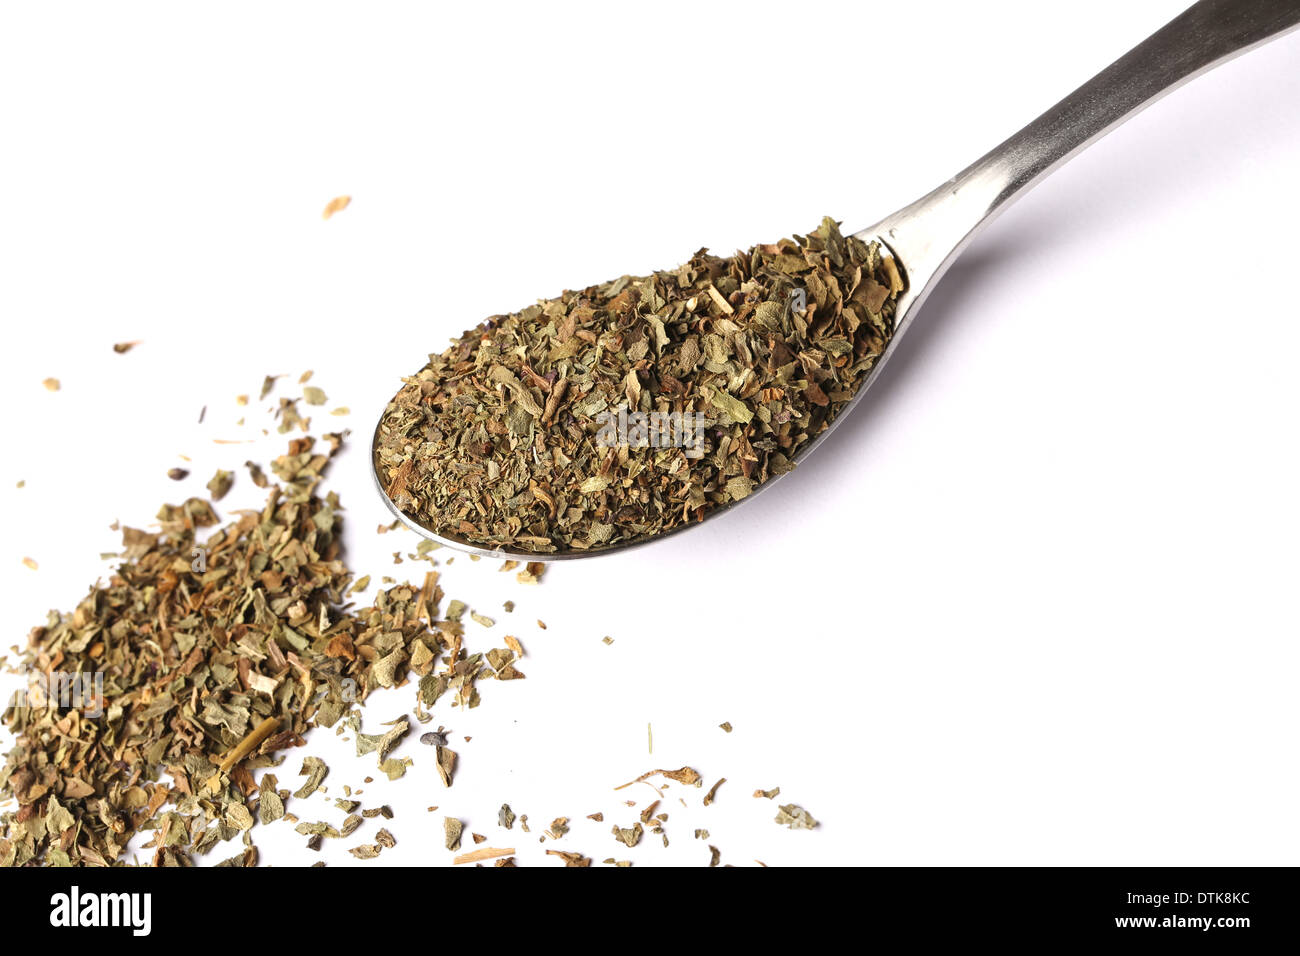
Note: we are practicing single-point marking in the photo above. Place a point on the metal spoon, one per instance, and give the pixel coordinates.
(927, 236)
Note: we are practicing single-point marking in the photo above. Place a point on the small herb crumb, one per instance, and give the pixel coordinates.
(337, 204)
(795, 817)
(452, 829)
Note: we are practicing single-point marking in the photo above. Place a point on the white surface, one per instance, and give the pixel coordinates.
(1034, 603)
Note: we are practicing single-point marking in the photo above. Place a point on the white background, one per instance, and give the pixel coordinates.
(1033, 603)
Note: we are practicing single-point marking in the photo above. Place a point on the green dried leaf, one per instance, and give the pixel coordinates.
(452, 828)
(795, 817)
(315, 770)
(220, 484)
(628, 837)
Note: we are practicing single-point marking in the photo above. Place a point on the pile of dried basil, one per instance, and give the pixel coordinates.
(725, 368)
(209, 656)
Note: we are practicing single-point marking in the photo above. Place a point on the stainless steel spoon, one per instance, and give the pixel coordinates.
(927, 236)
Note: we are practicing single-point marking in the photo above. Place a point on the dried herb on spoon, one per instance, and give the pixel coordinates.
(630, 408)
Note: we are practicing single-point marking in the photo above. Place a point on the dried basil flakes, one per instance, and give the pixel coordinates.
(634, 407)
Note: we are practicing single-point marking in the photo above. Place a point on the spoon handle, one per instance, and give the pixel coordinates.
(928, 234)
